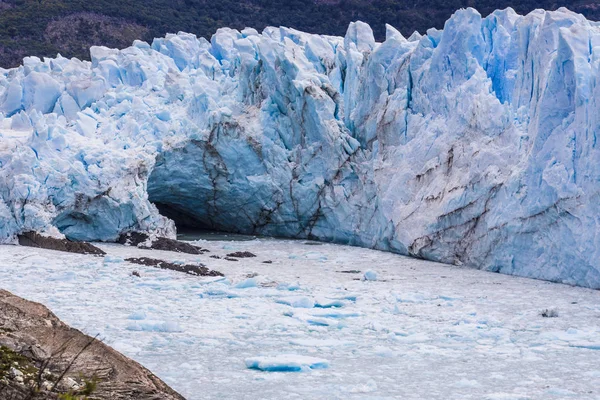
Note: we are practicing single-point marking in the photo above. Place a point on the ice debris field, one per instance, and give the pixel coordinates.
(474, 145)
(310, 326)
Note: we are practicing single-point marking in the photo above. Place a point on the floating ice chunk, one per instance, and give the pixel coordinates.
(570, 335)
(289, 286)
(137, 316)
(113, 259)
(382, 351)
(335, 313)
(370, 275)
(318, 321)
(219, 293)
(413, 298)
(286, 363)
(376, 326)
(297, 301)
(448, 298)
(247, 283)
(414, 338)
(586, 345)
(321, 342)
(211, 280)
(156, 326)
(329, 303)
(349, 297)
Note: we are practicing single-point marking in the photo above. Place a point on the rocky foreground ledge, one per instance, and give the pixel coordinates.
(43, 358)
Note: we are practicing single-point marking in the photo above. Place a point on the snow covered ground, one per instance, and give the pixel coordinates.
(420, 331)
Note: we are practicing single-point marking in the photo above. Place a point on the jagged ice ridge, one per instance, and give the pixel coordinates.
(473, 145)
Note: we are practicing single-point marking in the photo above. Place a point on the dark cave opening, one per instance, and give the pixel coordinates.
(184, 221)
(191, 228)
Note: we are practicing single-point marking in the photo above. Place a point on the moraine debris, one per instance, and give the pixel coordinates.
(143, 241)
(34, 239)
(198, 270)
(241, 254)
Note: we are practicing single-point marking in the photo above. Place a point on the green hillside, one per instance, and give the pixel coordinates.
(70, 27)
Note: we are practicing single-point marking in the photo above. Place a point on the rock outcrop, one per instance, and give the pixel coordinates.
(34, 239)
(41, 357)
(144, 241)
(191, 269)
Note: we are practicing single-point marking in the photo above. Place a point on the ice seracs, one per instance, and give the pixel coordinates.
(473, 145)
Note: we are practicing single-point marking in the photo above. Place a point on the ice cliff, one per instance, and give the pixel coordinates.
(474, 145)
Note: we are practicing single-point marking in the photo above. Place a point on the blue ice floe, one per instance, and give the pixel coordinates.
(297, 301)
(369, 275)
(286, 363)
(247, 283)
(329, 303)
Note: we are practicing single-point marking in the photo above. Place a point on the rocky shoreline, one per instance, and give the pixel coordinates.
(43, 358)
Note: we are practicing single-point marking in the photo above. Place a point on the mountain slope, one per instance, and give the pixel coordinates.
(46, 27)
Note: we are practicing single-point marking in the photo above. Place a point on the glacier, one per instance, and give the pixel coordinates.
(474, 145)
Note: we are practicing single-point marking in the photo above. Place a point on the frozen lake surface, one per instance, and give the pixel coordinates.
(421, 330)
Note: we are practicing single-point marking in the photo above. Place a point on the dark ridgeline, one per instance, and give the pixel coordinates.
(70, 27)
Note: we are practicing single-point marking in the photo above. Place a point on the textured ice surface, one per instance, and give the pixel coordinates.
(473, 145)
(426, 331)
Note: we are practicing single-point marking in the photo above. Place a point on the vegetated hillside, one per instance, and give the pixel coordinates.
(70, 27)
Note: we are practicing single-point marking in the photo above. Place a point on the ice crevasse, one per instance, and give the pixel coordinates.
(473, 145)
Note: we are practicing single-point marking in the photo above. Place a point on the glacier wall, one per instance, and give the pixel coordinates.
(474, 145)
